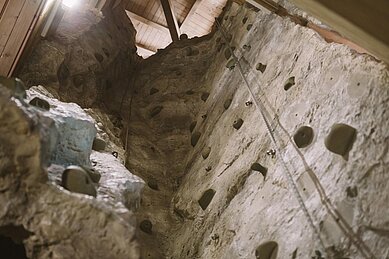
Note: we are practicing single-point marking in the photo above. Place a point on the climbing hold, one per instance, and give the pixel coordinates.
(271, 152)
(153, 184)
(204, 116)
(75, 179)
(153, 91)
(237, 124)
(289, 83)
(93, 174)
(248, 103)
(208, 168)
(261, 67)
(206, 198)
(40, 103)
(98, 144)
(99, 57)
(244, 20)
(192, 126)
(227, 103)
(155, 111)
(231, 64)
(206, 152)
(247, 47)
(249, 27)
(195, 138)
(340, 139)
(204, 96)
(146, 226)
(303, 136)
(228, 53)
(115, 154)
(259, 168)
(267, 250)
(352, 192)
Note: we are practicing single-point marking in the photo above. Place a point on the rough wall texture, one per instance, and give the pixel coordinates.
(332, 84)
(88, 57)
(36, 211)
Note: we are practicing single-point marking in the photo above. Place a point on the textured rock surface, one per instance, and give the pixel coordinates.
(57, 223)
(90, 55)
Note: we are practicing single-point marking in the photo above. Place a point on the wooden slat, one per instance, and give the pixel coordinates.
(171, 20)
(192, 11)
(3, 4)
(8, 21)
(18, 36)
(134, 16)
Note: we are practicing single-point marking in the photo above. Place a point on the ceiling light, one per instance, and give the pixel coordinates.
(69, 3)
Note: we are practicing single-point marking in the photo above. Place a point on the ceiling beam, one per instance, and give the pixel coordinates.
(171, 20)
(146, 49)
(134, 16)
(192, 11)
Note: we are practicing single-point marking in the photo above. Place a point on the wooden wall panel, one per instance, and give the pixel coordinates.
(15, 27)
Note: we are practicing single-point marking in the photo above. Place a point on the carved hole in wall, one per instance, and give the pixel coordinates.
(261, 67)
(227, 103)
(195, 138)
(206, 198)
(231, 64)
(227, 53)
(192, 126)
(244, 20)
(237, 124)
(155, 111)
(249, 27)
(267, 250)
(146, 226)
(259, 168)
(11, 241)
(303, 136)
(204, 96)
(99, 57)
(153, 184)
(206, 152)
(289, 83)
(340, 139)
(247, 47)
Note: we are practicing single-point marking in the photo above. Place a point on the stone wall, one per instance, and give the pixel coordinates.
(228, 209)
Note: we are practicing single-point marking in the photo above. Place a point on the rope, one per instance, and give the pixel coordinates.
(261, 109)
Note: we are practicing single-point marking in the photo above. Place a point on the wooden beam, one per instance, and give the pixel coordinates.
(171, 20)
(134, 16)
(192, 11)
(365, 22)
(146, 49)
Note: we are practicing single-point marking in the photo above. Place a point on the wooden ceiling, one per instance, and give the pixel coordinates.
(156, 20)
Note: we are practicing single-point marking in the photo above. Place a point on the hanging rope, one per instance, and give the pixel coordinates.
(261, 109)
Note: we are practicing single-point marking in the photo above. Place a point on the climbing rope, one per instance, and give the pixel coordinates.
(261, 109)
(339, 220)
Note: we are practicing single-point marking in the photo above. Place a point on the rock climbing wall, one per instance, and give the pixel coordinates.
(327, 109)
(89, 60)
(216, 184)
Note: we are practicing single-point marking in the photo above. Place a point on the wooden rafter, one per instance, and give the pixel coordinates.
(192, 11)
(134, 16)
(146, 49)
(171, 20)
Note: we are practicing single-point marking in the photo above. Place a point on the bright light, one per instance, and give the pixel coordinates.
(69, 3)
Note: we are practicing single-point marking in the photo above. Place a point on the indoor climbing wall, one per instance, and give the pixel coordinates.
(244, 196)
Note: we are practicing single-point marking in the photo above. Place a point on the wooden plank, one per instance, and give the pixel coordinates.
(171, 20)
(364, 22)
(8, 21)
(140, 46)
(143, 20)
(192, 11)
(18, 36)
(3, 5)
